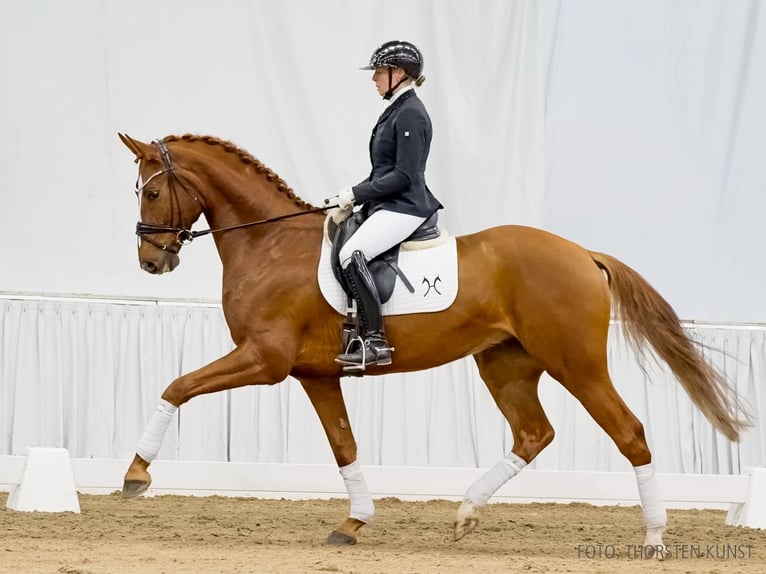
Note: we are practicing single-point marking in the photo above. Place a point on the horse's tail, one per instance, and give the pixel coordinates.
(647, 318)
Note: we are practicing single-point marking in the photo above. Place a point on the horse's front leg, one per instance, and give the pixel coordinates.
(327, 398)
(242, 366)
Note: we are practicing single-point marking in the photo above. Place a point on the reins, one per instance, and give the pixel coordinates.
(187, 235)
(184, 235)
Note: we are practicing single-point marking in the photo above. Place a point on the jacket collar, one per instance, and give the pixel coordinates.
(400, 99)
(400, 92)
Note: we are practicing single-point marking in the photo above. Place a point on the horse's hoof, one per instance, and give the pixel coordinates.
(134, 488)
(653, 545)
(466, 527)
(467, 520)
(337, 538)
(659, 553)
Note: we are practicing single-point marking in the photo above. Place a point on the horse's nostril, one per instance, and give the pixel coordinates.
(149, 266)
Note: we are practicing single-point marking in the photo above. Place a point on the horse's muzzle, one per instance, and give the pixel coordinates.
(163, 263)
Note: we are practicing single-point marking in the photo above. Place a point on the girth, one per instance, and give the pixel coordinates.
(384, 267)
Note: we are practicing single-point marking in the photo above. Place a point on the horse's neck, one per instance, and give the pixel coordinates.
(235, 196)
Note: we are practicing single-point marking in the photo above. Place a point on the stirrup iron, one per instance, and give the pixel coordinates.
(354, 365)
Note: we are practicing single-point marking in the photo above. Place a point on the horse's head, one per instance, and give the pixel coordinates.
(167, 204)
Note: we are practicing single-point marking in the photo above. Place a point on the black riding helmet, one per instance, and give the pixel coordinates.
(397, 54)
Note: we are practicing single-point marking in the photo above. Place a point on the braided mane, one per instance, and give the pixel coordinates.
(244, 157)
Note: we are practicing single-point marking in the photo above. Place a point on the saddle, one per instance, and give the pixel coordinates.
(384, 268)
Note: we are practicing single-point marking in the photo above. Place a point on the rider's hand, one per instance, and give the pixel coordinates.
(344, 200)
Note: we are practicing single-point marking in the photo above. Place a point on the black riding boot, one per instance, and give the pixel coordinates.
(375, 349)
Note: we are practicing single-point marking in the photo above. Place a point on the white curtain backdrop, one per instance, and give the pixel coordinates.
(654, 139)
(88, 375)
(634, 128)
(279, 78)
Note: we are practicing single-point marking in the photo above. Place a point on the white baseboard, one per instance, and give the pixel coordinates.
(302, 481)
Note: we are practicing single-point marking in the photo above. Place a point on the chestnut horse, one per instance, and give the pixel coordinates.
(528, 301)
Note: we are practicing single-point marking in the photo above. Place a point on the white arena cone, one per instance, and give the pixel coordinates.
(752, 512)
(47, 483)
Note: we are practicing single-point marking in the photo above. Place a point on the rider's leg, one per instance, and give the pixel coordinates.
(374, 349)
(381, 231)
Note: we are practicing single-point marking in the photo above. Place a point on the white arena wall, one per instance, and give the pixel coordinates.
(633, 128)
(91, 371)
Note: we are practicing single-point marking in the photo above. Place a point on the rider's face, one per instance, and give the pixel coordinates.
(380, 77)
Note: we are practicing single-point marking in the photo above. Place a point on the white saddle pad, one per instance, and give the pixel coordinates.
(432, 272)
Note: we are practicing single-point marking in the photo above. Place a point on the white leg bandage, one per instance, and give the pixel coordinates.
(362, 507)
(481, 490)
(652, 504)
(149, 444)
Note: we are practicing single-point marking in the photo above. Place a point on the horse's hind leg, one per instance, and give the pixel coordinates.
(327, 398)
(593, 387)
(511, 376)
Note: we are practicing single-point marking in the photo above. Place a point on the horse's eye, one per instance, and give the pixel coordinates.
(152, 194)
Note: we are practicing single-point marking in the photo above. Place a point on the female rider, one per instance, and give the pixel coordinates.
(395, 196)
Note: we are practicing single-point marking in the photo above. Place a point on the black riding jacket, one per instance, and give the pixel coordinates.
(399, 146)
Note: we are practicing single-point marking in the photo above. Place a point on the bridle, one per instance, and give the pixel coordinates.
(183, 233)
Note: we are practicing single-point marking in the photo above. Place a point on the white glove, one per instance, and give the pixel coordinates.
(344, 200)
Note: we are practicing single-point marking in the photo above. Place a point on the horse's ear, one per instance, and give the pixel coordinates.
(139, 149)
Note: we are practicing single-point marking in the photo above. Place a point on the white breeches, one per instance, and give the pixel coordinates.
(380, 232)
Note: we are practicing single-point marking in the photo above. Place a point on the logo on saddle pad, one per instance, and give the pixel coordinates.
(432, 285)
(432, 272)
